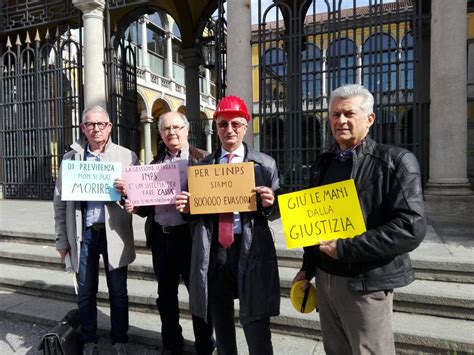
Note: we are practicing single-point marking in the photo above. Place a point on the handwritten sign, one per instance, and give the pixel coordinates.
(222, 188)
(321, 213)
(89, 180)
(155, 184)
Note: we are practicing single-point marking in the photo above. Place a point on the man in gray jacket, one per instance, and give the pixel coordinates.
(244, 266)
(84, 230)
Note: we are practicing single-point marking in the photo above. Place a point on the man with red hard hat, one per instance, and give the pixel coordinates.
(244, 266)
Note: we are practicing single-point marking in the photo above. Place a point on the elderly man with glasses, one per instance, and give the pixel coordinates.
(86, 229)
(169, 238)
(243, 266)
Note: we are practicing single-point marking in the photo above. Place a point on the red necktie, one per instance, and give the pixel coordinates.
(226, 222)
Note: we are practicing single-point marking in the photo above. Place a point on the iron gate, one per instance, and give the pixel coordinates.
(121, 74)
(307, 48)
(40, 105)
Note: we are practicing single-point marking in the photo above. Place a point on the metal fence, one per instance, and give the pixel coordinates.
(308, 48)
(40, 105)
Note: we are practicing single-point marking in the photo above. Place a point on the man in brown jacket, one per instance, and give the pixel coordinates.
(169, 238)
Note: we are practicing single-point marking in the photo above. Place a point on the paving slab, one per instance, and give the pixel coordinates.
(445, 333)
(144, 327)
(448, 238)
(456, 299)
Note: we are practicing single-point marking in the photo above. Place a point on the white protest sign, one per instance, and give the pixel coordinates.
(89, 180)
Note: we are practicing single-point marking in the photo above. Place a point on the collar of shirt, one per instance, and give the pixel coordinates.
(239, 154)
(183, 153)
(344, 155)
(90, 155)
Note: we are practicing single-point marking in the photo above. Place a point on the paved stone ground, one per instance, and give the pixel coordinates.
(18, 337)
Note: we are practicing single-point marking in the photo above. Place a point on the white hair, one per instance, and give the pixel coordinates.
(96, 109)
(180, 115)
(353, 90)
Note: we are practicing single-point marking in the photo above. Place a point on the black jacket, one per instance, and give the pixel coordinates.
(388, 183)
(195, 154)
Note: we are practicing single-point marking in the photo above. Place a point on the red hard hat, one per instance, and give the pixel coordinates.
(232, 105)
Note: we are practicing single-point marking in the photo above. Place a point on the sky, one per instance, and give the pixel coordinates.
(320, 6)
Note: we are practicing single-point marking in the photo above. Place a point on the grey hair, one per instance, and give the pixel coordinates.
(180, 115)
(353, 90)
(96, 109)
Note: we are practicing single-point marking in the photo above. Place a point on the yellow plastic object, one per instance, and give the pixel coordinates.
(297, 296)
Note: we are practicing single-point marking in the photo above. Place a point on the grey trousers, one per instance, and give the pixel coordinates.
(353, 322)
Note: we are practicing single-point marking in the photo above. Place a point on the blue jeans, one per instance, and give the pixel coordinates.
(93, 244)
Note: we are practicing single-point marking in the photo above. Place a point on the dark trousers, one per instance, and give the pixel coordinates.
(93, 244)
(172, 259)
(223, 289)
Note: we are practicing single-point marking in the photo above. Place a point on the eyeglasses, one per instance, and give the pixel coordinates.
(235, 124)
(175, 129)
(100, 125)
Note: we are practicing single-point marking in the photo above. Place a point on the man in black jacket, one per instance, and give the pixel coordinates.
(169, 238)
(355, 277)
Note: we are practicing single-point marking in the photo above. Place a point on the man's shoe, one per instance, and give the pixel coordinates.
(90, 349)
(120, 349)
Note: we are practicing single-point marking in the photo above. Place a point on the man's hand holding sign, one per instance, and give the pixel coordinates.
(154, 184)
(222, 188)
(90, 180)
(320, 215)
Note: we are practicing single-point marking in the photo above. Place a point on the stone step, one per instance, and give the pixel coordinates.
(412, 331)
(429, 260)
(452, 300)
(144, 326)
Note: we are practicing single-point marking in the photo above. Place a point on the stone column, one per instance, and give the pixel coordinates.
(448, 109)
(208, 81)
(94, 73)
(209, 135)
(324, 74)
(359, 79)
(192, 60)
(169, 56)
(147, 121)
(239, 55)
(145, 62)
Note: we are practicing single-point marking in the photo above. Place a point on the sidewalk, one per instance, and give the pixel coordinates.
(449, 238)
(430, 313)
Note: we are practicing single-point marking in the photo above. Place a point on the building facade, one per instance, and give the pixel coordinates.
(416, 56)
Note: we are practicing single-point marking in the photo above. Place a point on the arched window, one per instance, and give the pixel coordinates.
(379, 63)
(176, 31)
(275, 62)
(406, 62)
(341, 58)
(177, 52)
(275, 72)
(311, 72)
(157, 19)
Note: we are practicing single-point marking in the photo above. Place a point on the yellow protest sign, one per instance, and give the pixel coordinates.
(222, 188)
(321, 213)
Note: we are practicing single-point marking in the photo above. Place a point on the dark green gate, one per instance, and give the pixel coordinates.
(308, 48)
